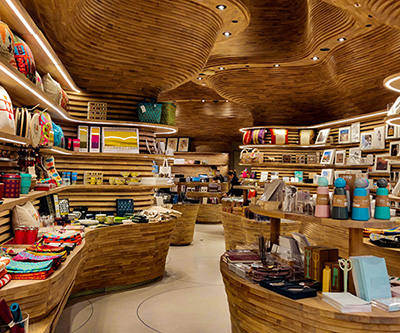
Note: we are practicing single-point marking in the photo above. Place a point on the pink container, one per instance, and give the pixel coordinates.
(19, 235)
(31, 235)
(322, 208)
(12, 185)
(1, 190)
(76, 144)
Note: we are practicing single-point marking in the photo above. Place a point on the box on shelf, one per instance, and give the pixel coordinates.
(92, 178)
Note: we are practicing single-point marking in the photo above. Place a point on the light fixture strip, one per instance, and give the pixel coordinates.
(42, 45)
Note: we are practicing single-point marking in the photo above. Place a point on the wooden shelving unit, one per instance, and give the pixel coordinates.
(196, 195)
(15, 139)
(303, 165)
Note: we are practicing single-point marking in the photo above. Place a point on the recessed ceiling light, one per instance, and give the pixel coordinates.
(276, 65)
(369, 25)
(203, 100)
(342, 39)
(221, 68)
(203, 84)
(199, 78)
(221, 7)
(227, 34)
(235, 21)
(325, 49)
(356, 4)
(227, 101)
(315, 58)
(247, 66)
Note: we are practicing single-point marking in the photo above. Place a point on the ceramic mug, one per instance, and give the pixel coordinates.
(110, 219)
(77, 213)
(101, 217)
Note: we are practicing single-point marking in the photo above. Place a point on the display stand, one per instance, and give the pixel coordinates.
(184, 229)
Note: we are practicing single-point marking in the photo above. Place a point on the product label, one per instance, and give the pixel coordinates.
(361, 202)
(382, 201)
(339, 200)
(323, 199)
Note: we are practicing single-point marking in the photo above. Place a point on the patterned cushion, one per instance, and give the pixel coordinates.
(6, 42)
(39, 81)
(7, 124)
(24, 59)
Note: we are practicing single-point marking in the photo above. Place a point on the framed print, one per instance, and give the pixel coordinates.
(381, 164)
(322, 136)
(355, 132)
(94, 146)
(164, 140)
(344, 134)
(328, 174)
(328, 156)
(183, 144)
(366, 140)
(340, 157)
(123, 140)
(354, 156)
(394, 148)
(378, 140)
(172, 143)
(391, 132)
(83, 136)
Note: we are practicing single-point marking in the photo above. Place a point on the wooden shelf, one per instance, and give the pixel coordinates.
(203, 194)
(196, 153)
(393, 119)
(198, 165)
(308, 147)
(10, 138)
(117, 187)
(349, 224)
(195, 183)
(303, 165)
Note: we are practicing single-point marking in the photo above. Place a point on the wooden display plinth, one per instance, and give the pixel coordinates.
(184, 228)
(256, 309)
(209, 213)
(241, 231)
(107, 257)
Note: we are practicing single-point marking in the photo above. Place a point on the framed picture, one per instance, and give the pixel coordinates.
(344, 134)
(394, 148)
(355, 132)
(123, 140)
(322, 136)
(94, 146)
(354, 156)
(378, 140)
(340, 157)
(83, 136)
(328, 156)
(172, 143)
(164, 140)
(328, 174)
(366, 140)
(381, 165)
(391, 132)
(183, 144)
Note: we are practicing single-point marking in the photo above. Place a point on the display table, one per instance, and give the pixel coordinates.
(184, 228)
(256, 309)
(108, 257)
(241, 231)
(209, 213)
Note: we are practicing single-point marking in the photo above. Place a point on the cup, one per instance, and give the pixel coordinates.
(101, 218)
(110, 219)
(77, 213)
(25, 182)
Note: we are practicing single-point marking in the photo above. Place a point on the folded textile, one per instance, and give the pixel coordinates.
(32, 276)
(68, 237)
(16, 267)
(392, 231)
(25, 256)
(4, 280)
(44, 250)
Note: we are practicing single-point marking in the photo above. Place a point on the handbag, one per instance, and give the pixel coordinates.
(25, 216)
(279, 136)
(168, 112)
(149, 111)
(24, 59)
(59, 139)
(245, 156)
(125, 207)
(7, 124)
(165, 169)
(46, 129)
(256, 156)
(7, 42)
(52, 88)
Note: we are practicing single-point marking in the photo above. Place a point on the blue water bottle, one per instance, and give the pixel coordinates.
(382, 203)
(360, 211)
(340, 205)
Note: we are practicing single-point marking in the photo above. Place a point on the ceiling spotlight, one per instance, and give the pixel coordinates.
(199, 78)
(315, 58)
(221, 7)
(227, 34)
(356, 4)
(342, 39)
(277, 65)
(227, 101)
(203, 84)
(203, 100)
(221, 68)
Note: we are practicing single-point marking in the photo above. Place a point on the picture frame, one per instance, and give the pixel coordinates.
(355, 132)
(381, 164)
(172, 143)
(340, 157)
(183, 144)
(83, 136)
(378, 140)
(366, 140)
(394, 149)
(94, 146)
(164, 140)
(322, 136)
(328, 174)
(391, 132)
(124, 140)
(354, 156)
(344, 134)
(328, 156)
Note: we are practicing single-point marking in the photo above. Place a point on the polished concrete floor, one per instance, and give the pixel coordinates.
(190, 297)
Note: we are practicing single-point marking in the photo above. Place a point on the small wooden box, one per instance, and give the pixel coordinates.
(92, 178)
(97, 110)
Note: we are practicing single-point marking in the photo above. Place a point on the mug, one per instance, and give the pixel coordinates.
(110, 219)
(77, 213)
(101, 217)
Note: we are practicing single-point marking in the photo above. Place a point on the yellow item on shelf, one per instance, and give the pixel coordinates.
(326, 279)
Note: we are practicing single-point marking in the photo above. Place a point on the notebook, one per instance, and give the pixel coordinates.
(346, 302)
(389, 304)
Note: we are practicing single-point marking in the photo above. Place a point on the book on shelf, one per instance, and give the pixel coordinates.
(390, 304)
(346, 302)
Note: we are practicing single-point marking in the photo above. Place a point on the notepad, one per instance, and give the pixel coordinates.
(346, 302)
(389, 304)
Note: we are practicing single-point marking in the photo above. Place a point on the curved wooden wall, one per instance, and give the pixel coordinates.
(209, 213)
(184, 227)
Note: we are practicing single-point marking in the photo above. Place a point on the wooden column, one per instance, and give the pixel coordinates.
(355, 242)
(275, 230)
(245, 198)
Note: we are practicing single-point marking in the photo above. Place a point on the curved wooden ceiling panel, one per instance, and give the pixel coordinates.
(126, 46)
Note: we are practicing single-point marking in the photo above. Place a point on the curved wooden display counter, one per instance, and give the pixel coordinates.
(184, 227)
(241, 231)
(209, 213)
(107, 257)
(256, 309)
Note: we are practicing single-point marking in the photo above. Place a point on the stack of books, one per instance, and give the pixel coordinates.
(389, 304)
(346, 302)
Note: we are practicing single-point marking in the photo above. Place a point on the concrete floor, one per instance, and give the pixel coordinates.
(190, 297)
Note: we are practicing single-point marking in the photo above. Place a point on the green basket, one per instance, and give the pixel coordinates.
(168, 111)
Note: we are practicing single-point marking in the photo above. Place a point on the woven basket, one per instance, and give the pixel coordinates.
(149, 111)
(168, 111)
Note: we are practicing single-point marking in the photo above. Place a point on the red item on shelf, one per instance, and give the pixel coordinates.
(31, 235)
(19, 235)
(1, 191)
(12, 185)
(25, 235)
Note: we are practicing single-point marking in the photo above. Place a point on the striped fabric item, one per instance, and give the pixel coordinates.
(4, 280)
(16, 267)
(57, 238)
(25, 256)
(32, 276)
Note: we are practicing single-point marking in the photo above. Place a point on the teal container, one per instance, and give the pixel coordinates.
(26, 180)
(360, 210)
(382, 203)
